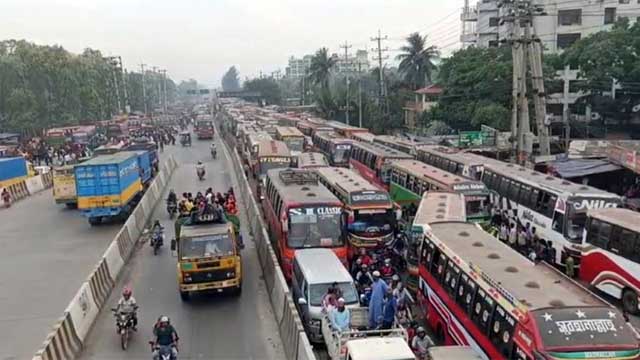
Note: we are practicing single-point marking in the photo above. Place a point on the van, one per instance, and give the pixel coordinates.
(314, 271)
(381, 348)
(452, 353)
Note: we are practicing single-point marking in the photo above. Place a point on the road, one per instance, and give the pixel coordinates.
(47, 252)
(210, 326)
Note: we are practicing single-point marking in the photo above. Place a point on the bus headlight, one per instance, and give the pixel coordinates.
(186, 277)
(231, 274)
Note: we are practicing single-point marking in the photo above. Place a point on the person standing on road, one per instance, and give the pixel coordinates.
(389, 312)
(378, 291)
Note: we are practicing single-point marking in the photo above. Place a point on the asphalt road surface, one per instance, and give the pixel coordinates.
(210, 326)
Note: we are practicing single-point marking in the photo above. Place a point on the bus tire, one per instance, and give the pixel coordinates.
(184, 295)
(238, 290)
(93, 221)
(71, 205)
(630, 301)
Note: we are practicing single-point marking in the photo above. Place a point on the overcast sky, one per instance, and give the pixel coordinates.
(201, 38)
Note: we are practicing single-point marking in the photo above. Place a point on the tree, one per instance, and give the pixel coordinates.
(231, 80)
(416, 61)
(492, 114)
(268, 87)
(320, 68)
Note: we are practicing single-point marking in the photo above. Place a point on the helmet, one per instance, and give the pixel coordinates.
(199, 162)
(387, 261)
(157, 222)
(420, 330)
(395, 277)
(126, 292)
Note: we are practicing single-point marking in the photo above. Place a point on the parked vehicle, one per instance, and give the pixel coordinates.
(12, 171)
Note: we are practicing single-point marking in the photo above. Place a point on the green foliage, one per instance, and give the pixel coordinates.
(231, 80)
(46, 86)
(492, 114)
(268, 87)
(416, 61)
(320, 68)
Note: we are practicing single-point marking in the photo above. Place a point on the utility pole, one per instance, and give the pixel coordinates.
(302, 87)
(156, 71)
(113, 64)
(346, 48)
(144, 90)
(164, 87)
(380, 59)
(539, 94)
(127, 105)
(359, 94)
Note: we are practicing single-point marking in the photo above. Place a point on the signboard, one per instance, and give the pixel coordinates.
(280, 160)
(476, 138)
(469, 187)
(369, 197)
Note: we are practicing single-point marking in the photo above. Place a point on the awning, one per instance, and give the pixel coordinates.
(581, 167)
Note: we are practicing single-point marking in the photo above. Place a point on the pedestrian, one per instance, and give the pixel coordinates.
(504, 233)
(376, 304)
(513, 236)
(522, 241)
(389, 311)
(569, 263)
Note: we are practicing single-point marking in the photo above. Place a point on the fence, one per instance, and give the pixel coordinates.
(66, 339)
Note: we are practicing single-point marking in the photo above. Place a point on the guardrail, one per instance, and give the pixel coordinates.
(30, 186)
(66, 339)
(294, 339)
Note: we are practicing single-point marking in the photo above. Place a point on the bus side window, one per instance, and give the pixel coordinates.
(514, 191)
(476, 310)
(551, 204)
(533, 200)
(628, 242)
(433, 262)
(504, 187)
(592, 234)
(452, 274)
(523, 199)
(501, 331)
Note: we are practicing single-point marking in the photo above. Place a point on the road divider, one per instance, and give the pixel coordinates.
(294, 339)
(67, 337)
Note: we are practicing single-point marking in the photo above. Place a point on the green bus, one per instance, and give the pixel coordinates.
(410, 179)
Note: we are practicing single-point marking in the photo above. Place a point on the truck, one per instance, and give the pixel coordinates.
(359, 343)
(208, 252)
(64, 186)
(110, 186)
(12, 171)
(204, 129)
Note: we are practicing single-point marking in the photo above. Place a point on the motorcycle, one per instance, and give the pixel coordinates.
(172, 208)
(164, 351)
(157, 239)
(124, 324)
(214, 152)
(200, 173)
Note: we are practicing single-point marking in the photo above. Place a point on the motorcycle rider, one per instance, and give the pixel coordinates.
(128, 305)
(214, 152)
(157, 230)
(200, 169)
(172, 197)
(165, 335)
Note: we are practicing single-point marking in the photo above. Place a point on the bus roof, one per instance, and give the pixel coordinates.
(312, 159)
(333, 137)
(544, 181)
(533, 285)
(382, 150)
(342, 126)
(325, 259)
(364, 136)
(424, 171)
(190, 231)
(626, 218)
(465, 158)
(453, 353)
(285, 131)
(380, 348)
(440, 206)
(257, 137)
(272, 148)
(346, 179)
(300, 186)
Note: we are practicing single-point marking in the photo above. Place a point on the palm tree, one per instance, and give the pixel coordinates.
(416, 61)
(320, 68)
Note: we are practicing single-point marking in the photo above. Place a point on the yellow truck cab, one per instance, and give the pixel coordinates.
(208, 255)
(64, 186)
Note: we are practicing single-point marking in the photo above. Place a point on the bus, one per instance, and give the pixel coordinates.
(292, 137)
(373, 161)
(272, 154)
(371, 215)
(611, 255)
(402, 144)
(556, 208)
(346, 130)
(366, 137)
(311, 160)
(251, 147)
(411, 178)
(311, 126)
(478, 292)
(466, 164)
(204, 129)
(335, 147)
(301, 213)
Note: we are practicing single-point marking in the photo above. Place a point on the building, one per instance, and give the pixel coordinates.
(425, 99)
(359, 62)
(565, 22)
(298, 67)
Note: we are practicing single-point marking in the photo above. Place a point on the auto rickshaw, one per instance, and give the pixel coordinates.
(185, 138)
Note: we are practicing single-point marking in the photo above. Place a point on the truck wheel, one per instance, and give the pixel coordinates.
(93, 221)
(630, 301)
(71, 205)
(184, 295)
(238, 290)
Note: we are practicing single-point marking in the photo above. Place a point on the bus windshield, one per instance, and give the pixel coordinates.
(341, 153)
(346, 289)
(578, 329)
(315, 227)
(295, 143)
(206, 246)
(373, 222)
(575, 227)
(268, 163)
(477, 206)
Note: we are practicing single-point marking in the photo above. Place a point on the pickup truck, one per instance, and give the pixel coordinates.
(359, 343)
(111, 185)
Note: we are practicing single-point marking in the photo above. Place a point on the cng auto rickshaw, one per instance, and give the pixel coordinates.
(185, 138)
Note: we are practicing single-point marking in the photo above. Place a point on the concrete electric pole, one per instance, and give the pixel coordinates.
(127, 105)
(144, 90)
(380, 59)
(346, 48)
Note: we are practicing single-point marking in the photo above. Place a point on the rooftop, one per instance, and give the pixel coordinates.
(311, 159)
(625, 218)
(272, 148)
(324, 260)
(382, 150)
(433, 89)
(303, 191)
(346, 179)
(111, 158)
(440, 206)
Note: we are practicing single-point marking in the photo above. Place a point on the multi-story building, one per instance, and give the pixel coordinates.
(298, 67)
(564, 23)
(359, 62)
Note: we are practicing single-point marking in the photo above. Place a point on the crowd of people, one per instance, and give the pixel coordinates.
(206, 202)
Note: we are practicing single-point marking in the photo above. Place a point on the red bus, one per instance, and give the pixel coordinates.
(372, 161)
(301, 213)
(346, 130)
(311, 126)
(611, 254)
(204, 129)
(312, 160)
(478, 292)
(336, 147)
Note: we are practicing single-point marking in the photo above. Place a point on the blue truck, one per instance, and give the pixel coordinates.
(12, 171)
(110, 186)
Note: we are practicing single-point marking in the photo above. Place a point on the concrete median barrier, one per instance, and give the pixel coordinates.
(294, 339)
(67, 337)
(34, 184)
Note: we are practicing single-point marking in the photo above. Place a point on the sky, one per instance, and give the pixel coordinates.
(201, 39)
